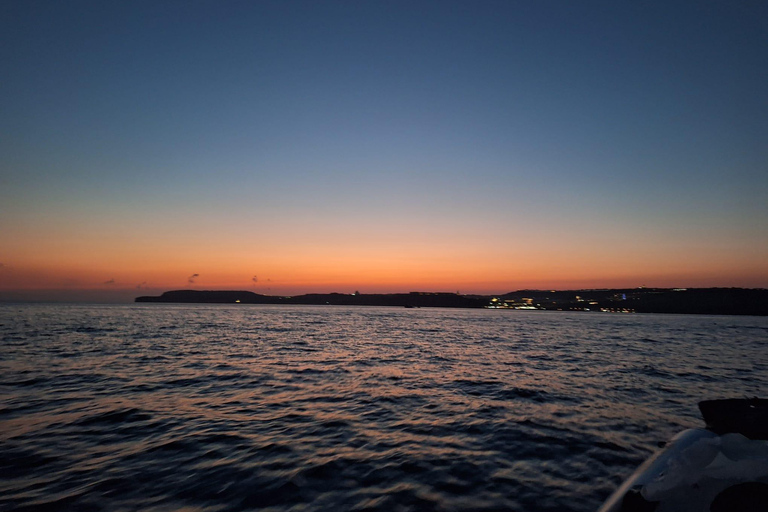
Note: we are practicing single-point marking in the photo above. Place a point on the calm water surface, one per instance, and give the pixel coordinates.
(219, 408)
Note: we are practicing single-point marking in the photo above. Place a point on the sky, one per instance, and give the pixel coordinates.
(287, 147)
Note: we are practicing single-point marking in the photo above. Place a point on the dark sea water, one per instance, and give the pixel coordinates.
(218, 408)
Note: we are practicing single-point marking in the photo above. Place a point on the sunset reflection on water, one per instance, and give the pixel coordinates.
(222, 407)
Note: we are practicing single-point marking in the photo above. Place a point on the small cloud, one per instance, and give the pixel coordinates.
(111, 281)
(191, 279)
(255, 279)
(141, 285)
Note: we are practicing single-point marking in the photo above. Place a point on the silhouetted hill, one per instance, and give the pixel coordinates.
(414, 299)
(213, 297)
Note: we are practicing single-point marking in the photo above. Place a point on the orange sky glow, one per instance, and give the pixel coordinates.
(429, 149)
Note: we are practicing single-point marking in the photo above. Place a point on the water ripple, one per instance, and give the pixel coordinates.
(223, 408)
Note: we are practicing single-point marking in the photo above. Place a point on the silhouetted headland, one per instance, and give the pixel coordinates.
(705, 301)
(413, 299)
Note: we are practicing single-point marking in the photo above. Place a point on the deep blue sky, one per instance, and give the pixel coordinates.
(355, 134)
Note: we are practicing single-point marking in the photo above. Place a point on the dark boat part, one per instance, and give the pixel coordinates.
(745, 416)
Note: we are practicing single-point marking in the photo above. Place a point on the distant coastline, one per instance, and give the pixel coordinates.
(707, 301)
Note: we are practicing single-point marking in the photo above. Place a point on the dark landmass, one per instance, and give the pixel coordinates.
(705, 301)
(701, 301)
(413, 299)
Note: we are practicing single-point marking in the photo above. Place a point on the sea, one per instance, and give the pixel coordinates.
(189, 407)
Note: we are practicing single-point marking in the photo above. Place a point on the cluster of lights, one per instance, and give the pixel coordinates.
(497, 303)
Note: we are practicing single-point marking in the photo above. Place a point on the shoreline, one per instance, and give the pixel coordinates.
(706, 301)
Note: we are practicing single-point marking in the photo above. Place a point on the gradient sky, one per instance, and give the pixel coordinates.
(381, 146)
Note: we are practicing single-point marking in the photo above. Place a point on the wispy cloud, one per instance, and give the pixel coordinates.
(111, 281)
(191, 279)
(141, 285)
